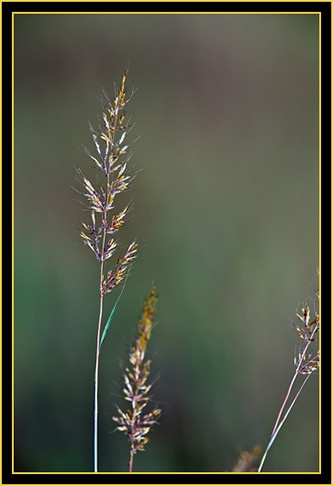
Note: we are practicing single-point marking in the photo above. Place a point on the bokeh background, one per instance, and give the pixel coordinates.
(226, 213)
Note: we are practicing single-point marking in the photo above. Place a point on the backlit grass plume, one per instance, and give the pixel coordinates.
(306, 362)
(132, 422)
(111, 161)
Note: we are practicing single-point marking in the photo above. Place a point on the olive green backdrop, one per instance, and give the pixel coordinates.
(225, 208)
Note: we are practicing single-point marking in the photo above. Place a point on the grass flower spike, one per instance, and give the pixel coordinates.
(132, 422)
(111, 160)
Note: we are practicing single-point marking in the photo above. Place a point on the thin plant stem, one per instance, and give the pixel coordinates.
(96, 386)
(289, 389)
(98, 341)
(278, 425)
(96, 391)
(289, 409)
(131, 460)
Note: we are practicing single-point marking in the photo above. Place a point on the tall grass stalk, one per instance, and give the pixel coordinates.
(132, 422)
(305, 364)
(111, 160)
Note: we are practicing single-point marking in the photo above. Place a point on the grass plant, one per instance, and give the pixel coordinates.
(306, 362)
(111, 160)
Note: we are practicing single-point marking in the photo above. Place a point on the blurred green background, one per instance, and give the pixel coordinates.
(226, 214)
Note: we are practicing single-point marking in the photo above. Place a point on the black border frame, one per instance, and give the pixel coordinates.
(326, 203)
